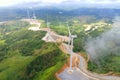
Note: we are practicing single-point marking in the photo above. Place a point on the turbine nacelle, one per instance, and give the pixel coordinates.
(73, 36)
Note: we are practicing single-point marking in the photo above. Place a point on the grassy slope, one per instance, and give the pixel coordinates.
(13, 65)
(116, 64)
(50, 72)
(2, 42)
(111, 64)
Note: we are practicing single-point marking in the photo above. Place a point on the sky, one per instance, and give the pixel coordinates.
(7, 3)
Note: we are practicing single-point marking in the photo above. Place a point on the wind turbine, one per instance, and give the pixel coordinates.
(49, 33)
(60, 19)
(48, 26)
(34, 17)
(69, 34)
(70, 43)
(28, 14)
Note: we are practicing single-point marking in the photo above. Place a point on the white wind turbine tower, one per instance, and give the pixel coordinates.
(69, 34)
(49, 37)
(33, 16)
(59, 18)
(48, 26)
(28, 14)
(70, 43)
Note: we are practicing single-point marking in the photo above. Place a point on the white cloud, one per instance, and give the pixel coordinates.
(13, 2)
(103, 1)
(53, 1)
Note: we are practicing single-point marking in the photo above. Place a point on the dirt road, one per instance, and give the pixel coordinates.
(80, 71)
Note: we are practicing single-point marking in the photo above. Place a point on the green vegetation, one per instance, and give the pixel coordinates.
(108, 64)
(49, 73)
(61, 29)
(2, 42)
(44, 63)
(7, 27)
(24, 56)
(26, 42)
(11, 67)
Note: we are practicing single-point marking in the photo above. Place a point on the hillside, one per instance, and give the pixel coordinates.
(24, 56)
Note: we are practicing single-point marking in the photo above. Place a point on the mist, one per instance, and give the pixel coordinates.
(106, 44)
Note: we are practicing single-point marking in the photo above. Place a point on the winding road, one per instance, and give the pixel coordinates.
(80, 70)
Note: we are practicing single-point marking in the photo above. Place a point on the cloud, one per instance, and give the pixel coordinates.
(106, 44)
(14, 2)
(53, 1)
(98, 1)
(83, 3)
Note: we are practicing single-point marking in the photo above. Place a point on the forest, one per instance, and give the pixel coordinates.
(24, 56)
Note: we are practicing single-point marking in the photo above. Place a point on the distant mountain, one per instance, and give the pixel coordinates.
(70, 4)
(52, 12)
